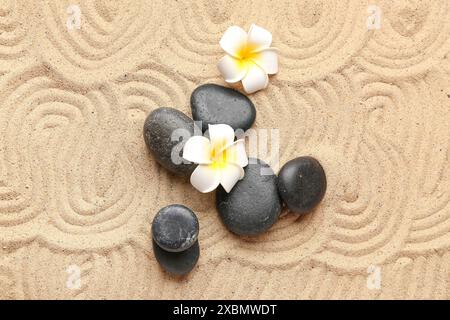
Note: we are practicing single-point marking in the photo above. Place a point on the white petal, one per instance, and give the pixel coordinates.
(259, 38)
(198, 150)
(268, 60)
(205, 178)
(231, 174)
(236, 153)
(255, 79)
(220, 135)
(232, 70)
(233, 40)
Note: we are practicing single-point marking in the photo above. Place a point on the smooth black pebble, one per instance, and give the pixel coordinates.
(175, 228)
(214, 104)
(253, 205)
(158, 129)
(177, 263)
(302, 184)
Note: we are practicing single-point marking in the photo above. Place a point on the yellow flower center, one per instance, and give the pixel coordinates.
(220, 156)
(246, 55)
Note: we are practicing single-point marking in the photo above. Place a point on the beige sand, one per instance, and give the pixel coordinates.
(78, 188)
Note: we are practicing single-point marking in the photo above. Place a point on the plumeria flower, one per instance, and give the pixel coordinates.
(221, 159)
(249, 57)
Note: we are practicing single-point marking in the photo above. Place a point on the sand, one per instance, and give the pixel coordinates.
(78, 189)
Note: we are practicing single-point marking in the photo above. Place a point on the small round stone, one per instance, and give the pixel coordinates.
(253, 205)
(302, 184)
(160, 127)
(175, 228)
(177, 263)
(214, 104)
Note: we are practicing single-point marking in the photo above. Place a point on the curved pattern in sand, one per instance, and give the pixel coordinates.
(16, 24)
(102, 277)
(111, 36)
(431, 221)
(67, 186)
(21, 187)
(321, 37)
(413, 38)
(7, 283)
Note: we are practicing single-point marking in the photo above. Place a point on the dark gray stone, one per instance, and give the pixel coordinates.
(214, 104)
(302, 184)
(177, 263)
(158, 130)
(253, 205)
(175, 228)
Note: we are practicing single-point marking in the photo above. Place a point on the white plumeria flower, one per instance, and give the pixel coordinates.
(221, 159)
(249, 57)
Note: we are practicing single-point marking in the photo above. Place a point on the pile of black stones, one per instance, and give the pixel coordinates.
(255, 202)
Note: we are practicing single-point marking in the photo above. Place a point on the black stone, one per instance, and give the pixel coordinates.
(214, 104)
(177, 263)
(302, 184)
(253, 205)
(175, 228)
(158, 129)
